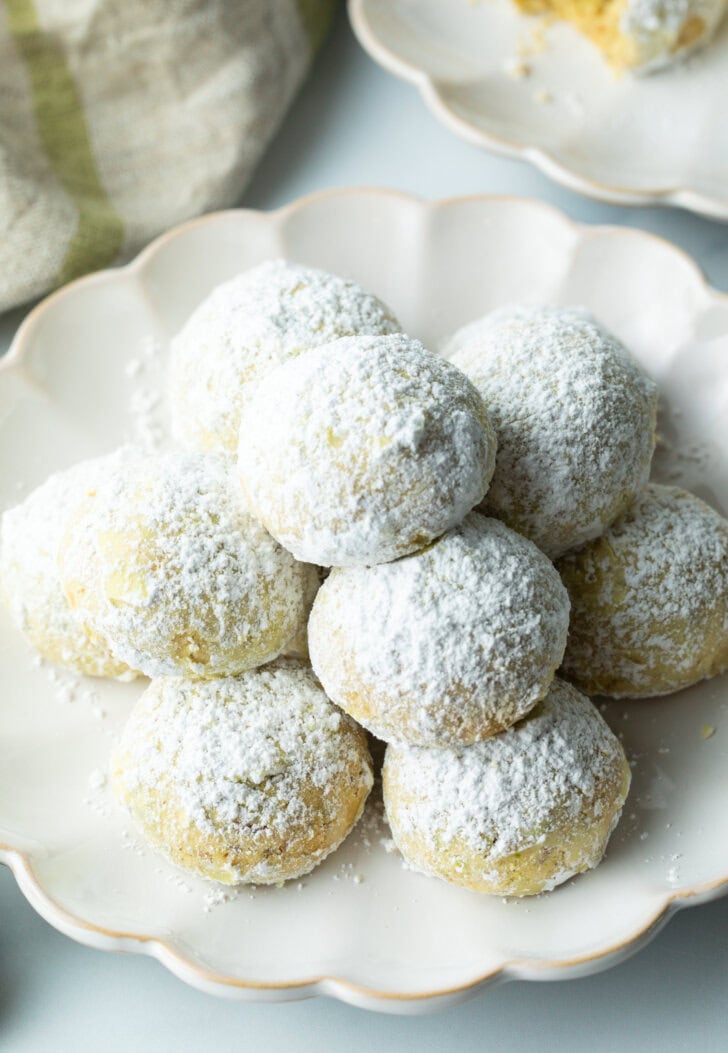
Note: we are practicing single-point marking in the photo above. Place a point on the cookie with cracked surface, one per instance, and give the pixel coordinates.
(250, 779)
(515, 815)
(650, 599)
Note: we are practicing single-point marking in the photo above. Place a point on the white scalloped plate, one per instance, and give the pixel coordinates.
(660, 140)
(361, 927)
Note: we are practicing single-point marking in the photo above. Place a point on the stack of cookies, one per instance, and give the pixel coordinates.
(480, 519)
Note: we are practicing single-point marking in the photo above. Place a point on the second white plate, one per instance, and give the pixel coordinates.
(660, 139)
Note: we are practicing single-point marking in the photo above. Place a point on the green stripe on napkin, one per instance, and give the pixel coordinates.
(316, 17)
(65, 137)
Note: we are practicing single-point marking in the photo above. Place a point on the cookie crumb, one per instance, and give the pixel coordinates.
(517, 69)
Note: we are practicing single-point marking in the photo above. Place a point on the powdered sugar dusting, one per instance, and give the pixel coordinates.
(240, 756)
(31, 582)
(448, 645)
(146, 405)
(364, 450)
(573, 414)
(650, 598)
(665, 31)
(248, 326)
(169, 567)
(216, 896)
(505, 794)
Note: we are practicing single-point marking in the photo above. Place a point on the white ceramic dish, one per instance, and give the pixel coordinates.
(361, 927)
(660, 139)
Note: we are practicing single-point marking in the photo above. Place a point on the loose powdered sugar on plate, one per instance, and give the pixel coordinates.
(147, 405)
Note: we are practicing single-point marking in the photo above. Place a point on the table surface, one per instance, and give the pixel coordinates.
(356, 125)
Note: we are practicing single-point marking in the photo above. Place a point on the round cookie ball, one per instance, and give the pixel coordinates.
(254, 778)
(574, 417)
(515, 815)
(31, 582)
(650, 599)
(248, 326)
(652, 34)
(447, 646)
(364, 450)
(165, 562)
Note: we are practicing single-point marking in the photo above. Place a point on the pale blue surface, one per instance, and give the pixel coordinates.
(355, 125)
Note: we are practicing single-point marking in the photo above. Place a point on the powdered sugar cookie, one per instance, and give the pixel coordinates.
(248, 326)
(574, 417)
(447, 646)
(519, 813)
(254, 778)
(167, 565)
(639, 35)
(364, 450)
(650, 598)
(31, 581)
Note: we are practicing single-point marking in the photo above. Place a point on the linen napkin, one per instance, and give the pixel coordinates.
(120, 118)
